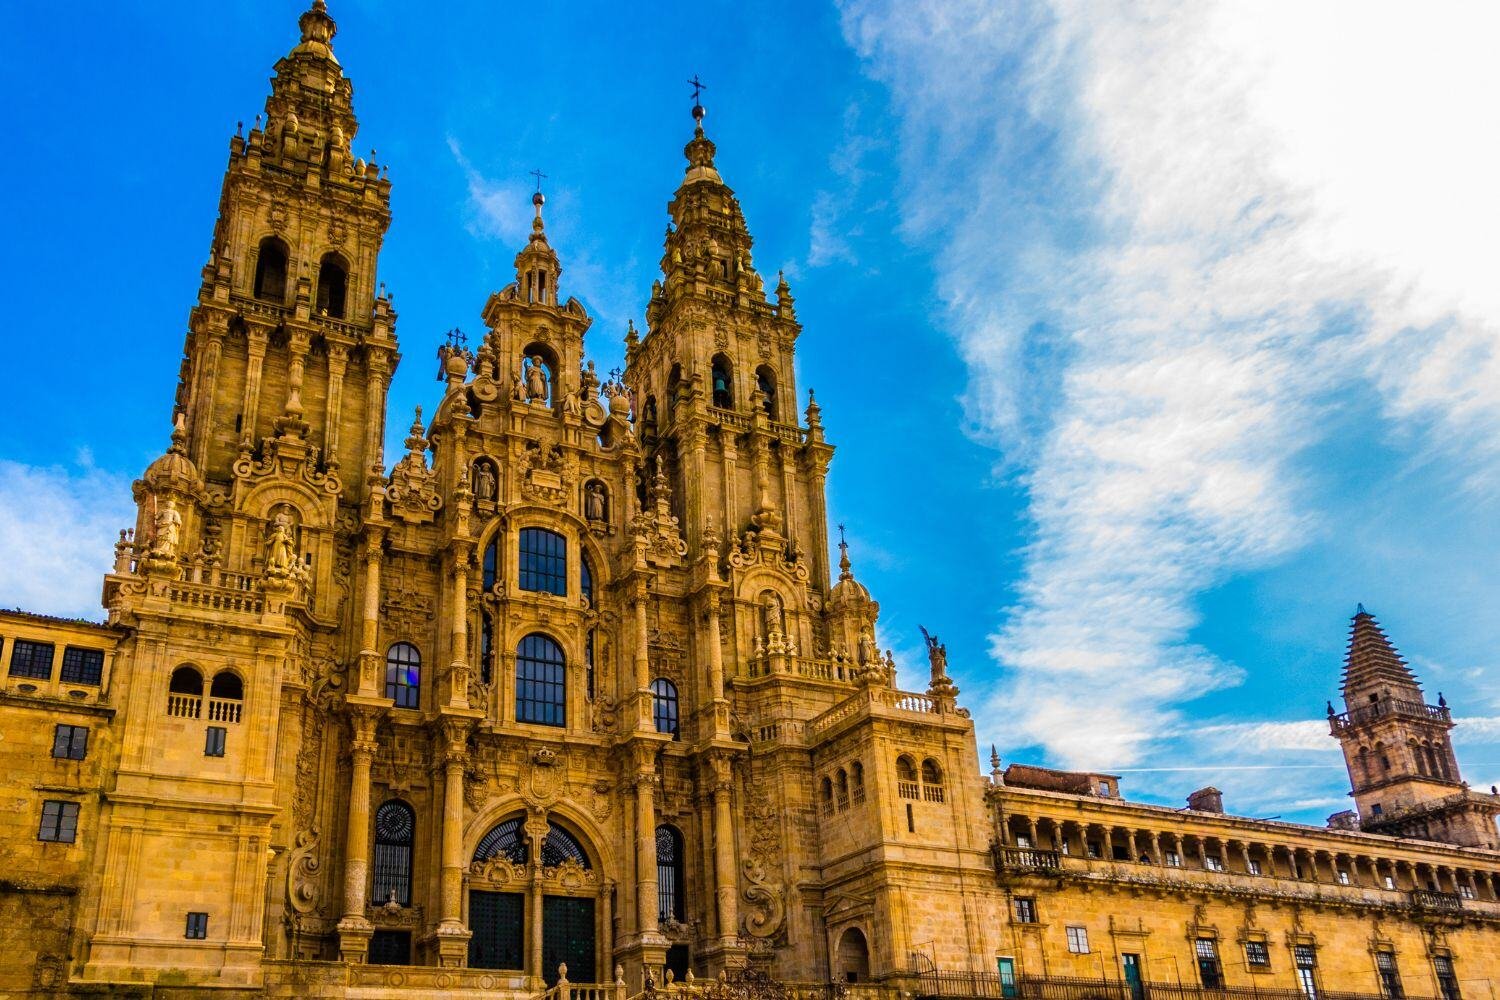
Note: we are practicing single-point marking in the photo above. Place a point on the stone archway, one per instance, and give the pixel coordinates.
(852, 964)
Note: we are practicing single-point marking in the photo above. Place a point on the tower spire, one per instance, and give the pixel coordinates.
(1372, 663)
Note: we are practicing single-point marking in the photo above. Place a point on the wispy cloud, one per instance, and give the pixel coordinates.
(57, 529)
(500, 209)
(1170, 238)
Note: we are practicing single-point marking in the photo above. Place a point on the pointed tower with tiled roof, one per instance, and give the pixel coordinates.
(1401, 764)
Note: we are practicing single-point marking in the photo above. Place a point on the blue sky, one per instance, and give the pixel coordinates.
(1152, 337)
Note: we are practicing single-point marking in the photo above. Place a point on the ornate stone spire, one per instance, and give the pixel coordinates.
(537, 266)
(1372, 663)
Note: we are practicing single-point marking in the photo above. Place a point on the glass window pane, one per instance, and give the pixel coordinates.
(541, 683)
(544, 561)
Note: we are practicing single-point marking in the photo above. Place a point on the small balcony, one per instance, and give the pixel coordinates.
(1388, 708)
(1440, 902)
(1028, 859)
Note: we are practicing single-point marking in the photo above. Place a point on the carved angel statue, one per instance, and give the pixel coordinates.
(168, 525)
(937, 653)
(570, 404)
(536, 379)
(281, 552)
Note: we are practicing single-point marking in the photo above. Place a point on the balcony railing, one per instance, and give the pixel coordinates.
(1427, 899)
(933, 985)
(1029, 858)
(184, 706)
(224, 709)
(1388, 708)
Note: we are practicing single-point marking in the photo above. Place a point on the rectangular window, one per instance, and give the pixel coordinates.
(1257, 954)
(1094, 851)
(1466, 890)
(1022, 840)
(197, 926)
(1254, 867)
(544, 561)
(59, 822)
(1390, 977)
(1343, 877)
(1447, 981)
(1008, 985)
(1174, 860)
(1206, 950)
(1390, 883)
(31, 659)
(1078, 940)
(213, 743)
(1212, 863)
(82, 666)
(70, 742)
(1025, 910)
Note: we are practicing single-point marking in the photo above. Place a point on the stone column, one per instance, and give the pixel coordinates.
(715, 651)
(369, 656)
(338, 358)
(1156, 847)
(645, 841)
(255, 346)
(355, 928)
(1245, 855)
(458, 669)
(726, 884)
(452, 935)
(536, 835)
(642, 663)
(208, 380)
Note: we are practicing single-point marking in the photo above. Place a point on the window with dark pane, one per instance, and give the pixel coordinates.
(197, 926)
(544, 561)
(31, 659)
(491, 563)
(506, 840)
(588, 653)
(403, 675)
(213, 741)
(664, 706)
(395, 832)
(670, 901)
(586, 579)
(486, 645)
(390, 948)
(559, 846)
(541, 686)
(82, 666)
(70, 742)
(59, 822)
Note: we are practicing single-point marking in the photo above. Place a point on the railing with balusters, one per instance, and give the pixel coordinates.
(224, 709)
(184, 706)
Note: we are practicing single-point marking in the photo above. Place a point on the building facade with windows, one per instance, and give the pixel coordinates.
(572, 683)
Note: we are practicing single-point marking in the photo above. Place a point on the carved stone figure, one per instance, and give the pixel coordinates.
(484, 481)
(594, 503)
(281, 552)
(536, 379)
(168, 524)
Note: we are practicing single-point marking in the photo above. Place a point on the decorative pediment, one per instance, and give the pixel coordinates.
(498, 870)
(846, 906)
(570, 875)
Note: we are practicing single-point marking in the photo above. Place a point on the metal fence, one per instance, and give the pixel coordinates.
(963, 985)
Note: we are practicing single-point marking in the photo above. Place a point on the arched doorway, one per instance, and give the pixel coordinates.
(532, 914)
(853, 957)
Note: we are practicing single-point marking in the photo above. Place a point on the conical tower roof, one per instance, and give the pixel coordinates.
(1372, 663)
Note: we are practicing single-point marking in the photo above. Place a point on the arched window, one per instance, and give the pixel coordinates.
(491, 563)
(671, 902)
(723, 382)
(853, 956)
(541, 685)
(333, 283)
(765, 381)
(395, 830)
(586, 579)
(825, 792)
(185, 693)
(906, 777)
(664, 706)
(544, 561)
(270, 270)
(403, 675)
(857, 782)
(227, 684)
(507, 840)
(841, 787)
(932, 781)
(559, 846)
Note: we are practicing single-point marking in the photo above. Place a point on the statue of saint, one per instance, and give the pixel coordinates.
(594, 503)
(484, 478)
(536, 380)
(281, 553)
(168, 524)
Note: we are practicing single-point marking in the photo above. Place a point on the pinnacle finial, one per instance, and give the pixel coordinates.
(698, 112)
(846, 571)
(1359, 609)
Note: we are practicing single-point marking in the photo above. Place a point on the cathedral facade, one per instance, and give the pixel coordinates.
(570, 693)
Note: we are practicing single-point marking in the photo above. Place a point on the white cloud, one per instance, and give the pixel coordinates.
(1169, 236)
(57, 530)
(500, 209)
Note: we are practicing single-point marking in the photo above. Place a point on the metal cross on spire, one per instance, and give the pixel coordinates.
(698, 88)
(539, 178)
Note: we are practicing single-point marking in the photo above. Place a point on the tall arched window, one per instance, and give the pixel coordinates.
(906, 778)
(586, 579)
(932, 781)
(507, 840)
(722, 382)
(560, 846)
(333, 284)
(765, 381)
(395, 830)
(671, 897)
(403, 675)
(857, 782)
(541, 681)
(270, 270)
(486, 646)
(185, 693)
(544, 561)
(664, 706)
(841, 788)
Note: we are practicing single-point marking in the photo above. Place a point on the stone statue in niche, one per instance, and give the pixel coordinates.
(869, 654)
(536, 379)
(484, 481)
(168, 525)
(281, 548)
(595, 504)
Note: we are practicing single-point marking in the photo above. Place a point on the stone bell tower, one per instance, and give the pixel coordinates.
(1398, 750)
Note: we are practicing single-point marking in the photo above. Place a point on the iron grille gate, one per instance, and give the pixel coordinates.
(568, 936)
(495, 918)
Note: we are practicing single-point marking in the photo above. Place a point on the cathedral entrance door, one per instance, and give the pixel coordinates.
(568, 937)
(496, 920)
